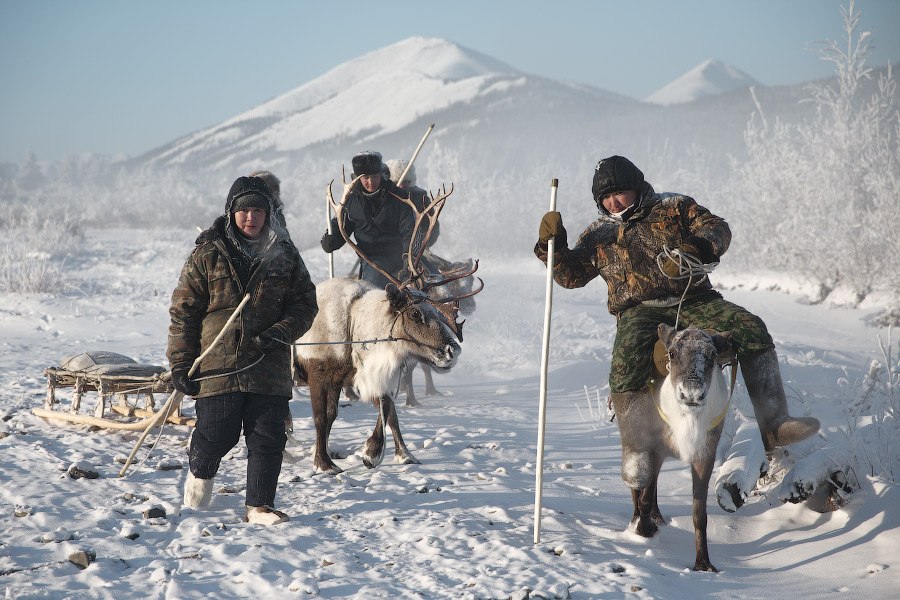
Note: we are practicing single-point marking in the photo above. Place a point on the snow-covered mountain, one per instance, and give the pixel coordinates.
(709, 78)
(374, 95)
(499, 133)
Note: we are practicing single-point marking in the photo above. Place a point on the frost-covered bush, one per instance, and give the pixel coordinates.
(872, 409)
(819, 197)
(35, 247)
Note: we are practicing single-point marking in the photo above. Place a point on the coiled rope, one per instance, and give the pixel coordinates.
(689, 266)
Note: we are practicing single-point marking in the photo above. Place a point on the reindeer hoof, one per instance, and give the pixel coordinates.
(406, 459)
(705, 565)
(412, 402)
(645, 527)
(333, 469)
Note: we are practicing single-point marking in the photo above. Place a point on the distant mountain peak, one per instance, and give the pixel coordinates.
(706, 79)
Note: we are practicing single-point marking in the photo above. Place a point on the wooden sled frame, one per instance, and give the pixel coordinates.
(108, 386)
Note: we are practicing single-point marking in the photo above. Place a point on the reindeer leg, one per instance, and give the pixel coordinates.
(430, 390)
(323, 398)
(701, 470)
(373, 450)
(406, 384)
(646, 508)
(655, 513)
(402, 455)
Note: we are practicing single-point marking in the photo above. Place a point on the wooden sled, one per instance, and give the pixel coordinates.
(115, 378)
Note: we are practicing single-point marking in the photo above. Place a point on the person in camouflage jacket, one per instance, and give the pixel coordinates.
(245, 381)
(636, 225)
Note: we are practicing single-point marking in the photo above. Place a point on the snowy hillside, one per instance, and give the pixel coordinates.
(356, 100)
(709, 78)
(460, 524)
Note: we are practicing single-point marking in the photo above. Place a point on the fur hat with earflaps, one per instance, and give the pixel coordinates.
(248, 192)
(367, 163)
(615, 174)
(396, 166)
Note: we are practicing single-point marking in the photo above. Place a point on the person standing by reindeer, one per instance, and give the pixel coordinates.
(636, 224)
(247, 382)
(381, 223)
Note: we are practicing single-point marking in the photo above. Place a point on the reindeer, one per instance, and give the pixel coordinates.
(338, 350)
(682, 417)
(458, 284)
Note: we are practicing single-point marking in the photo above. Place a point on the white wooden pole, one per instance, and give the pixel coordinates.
(328, 226)
(545, 353)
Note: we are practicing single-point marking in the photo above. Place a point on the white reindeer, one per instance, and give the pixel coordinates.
(681, 418)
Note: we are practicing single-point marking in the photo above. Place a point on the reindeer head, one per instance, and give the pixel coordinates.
(692, 357)
(422, 327)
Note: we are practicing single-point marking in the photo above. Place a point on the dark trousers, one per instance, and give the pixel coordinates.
(218, 429)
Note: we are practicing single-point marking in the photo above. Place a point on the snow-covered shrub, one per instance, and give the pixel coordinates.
(36, 244)
(819, 197)
(871, 410)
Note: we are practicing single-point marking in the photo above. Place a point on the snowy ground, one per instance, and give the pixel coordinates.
(458, 525)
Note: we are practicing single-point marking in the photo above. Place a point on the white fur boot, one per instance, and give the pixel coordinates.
(197, 492)
(265, 515)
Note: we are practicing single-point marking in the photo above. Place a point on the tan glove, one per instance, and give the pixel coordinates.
(552, 228)
(672, 266)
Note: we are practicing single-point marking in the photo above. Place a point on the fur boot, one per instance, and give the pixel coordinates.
(265, 515)
(197, 492)
(762, 377)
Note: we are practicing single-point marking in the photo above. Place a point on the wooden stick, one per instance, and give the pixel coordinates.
(545, 353)
(328, 226)
(415, 154)
(175, 398)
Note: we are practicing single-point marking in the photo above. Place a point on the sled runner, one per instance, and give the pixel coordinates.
(115, 378)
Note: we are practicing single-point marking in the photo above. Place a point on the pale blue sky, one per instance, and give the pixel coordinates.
(121, 76)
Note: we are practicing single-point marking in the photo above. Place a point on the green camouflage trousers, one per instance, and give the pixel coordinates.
(632, 355)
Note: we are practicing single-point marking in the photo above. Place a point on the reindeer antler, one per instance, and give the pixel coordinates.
(339, 213)
(427, 215)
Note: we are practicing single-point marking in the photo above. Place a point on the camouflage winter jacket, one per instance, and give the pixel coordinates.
(214, 280)
(624, 252)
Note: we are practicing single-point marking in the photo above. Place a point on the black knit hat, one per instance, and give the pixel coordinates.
(616, 174)
(367, 163)
(248, 192)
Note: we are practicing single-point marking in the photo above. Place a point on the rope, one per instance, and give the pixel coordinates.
(689, 266)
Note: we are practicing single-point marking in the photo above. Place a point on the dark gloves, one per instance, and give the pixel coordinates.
(182, 383)
(326, 242)
(552, 228)
(331, 241)
(268, 341)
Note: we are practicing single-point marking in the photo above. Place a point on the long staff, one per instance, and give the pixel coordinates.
(415, 154)
(175, 398)
(328, 225)
(545, 354)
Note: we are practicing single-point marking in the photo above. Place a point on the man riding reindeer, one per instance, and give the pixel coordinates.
(642, 245)
(381, 224)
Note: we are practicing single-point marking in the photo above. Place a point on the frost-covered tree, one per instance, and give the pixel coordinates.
(819, 197)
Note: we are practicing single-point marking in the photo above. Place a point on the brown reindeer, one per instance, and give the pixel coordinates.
(340, 349)
(681, 417)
